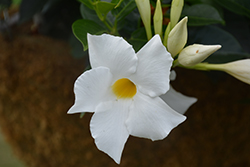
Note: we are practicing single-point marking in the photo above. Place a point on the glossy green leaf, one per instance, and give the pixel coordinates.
(211, 35)
(76, 48)
(124, 9)
(87, 3)
(104, 7)
(138, 39)
(193, 1)
(89, 14)
(129, 24)
(202, 14)
(82, 27)
(241, 7)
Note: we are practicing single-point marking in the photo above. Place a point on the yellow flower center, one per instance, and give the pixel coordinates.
(124, 88)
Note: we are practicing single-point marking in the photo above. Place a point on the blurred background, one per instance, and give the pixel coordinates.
(40, 59)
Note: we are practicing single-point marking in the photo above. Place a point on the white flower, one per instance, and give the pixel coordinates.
(123, 89)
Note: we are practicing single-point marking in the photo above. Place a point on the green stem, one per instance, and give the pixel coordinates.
(107, 24)
(205, 67)
(149, 32)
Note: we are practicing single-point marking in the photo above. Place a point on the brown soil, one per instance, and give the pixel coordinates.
(36, 82)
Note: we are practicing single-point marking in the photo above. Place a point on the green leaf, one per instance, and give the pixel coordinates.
(89, 14)
(76, 48)
(202, 14)
(211, 35)
(82, 27)
(124, 9)
(87, 3)
(129, 24)
(241, 7)
(193, 1)
(138, 39)
(103, 7)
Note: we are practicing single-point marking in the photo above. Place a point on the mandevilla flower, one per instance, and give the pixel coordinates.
(123, 89)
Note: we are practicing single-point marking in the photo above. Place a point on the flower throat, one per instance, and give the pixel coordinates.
(124, 88)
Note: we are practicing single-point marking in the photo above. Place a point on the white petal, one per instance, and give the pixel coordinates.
(109, 130)
(178, 101)
(112, 52)
(90, 89)
(172, 75)
(151, 118)
(153, 70)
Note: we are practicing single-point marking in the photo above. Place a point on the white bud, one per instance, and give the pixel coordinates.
(239, 69)
(196, 53)
(177, 37)
(175, 12)
(158, 17)
(145, 13)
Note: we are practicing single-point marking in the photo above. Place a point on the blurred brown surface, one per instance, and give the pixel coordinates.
(36, 90)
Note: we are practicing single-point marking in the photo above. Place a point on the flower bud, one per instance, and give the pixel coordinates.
(239, 69)
(167, 31)
(177, 37)
(196, 53)
(158, 18)
(175, 13)
(145, 13)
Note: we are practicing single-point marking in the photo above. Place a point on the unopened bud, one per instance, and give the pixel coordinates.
(196, 53)
(158, 18)
(175, 13)
(239, 69)
(177, 37)
(145, 13)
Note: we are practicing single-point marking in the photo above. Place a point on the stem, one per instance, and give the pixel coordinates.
(149, 32)
(176, 63)
(107, 25)
(205, 67)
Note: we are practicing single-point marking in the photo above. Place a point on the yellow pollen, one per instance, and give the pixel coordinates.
(124, 88)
